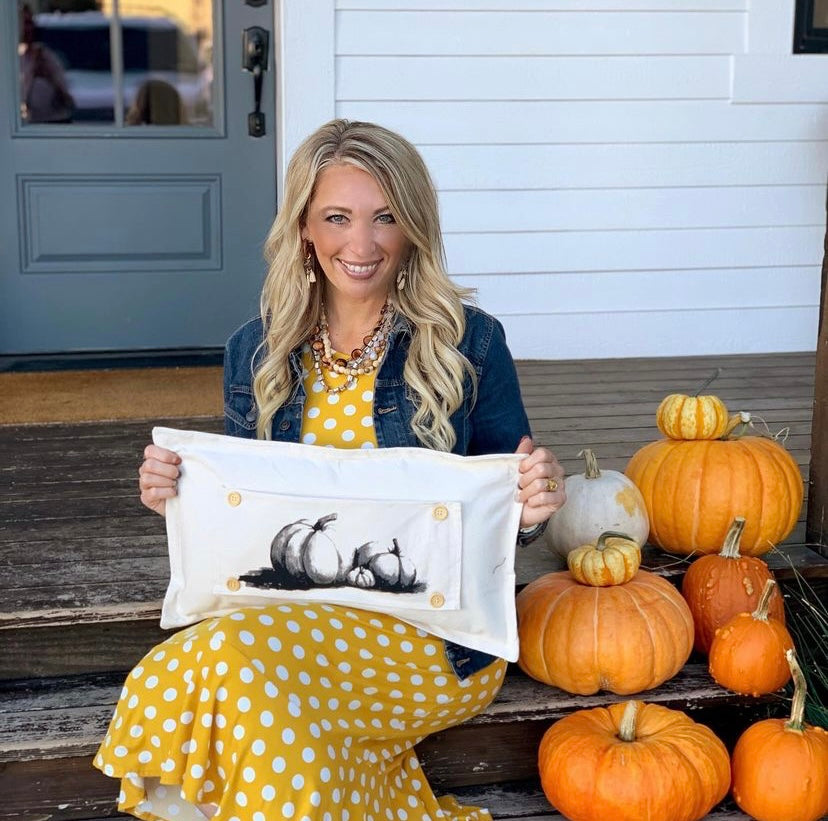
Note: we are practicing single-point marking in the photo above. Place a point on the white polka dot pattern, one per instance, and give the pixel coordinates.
(320, 722)
(343, 420)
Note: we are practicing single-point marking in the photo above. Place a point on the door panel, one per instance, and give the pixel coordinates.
(142, 230)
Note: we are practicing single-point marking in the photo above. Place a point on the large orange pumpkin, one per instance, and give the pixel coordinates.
(719, 586)
(632, 761)
(623, 638)
(747, 654)
(780, 768)
(694, 489)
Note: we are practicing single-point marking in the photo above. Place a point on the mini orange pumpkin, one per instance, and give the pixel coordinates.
(747, 655)
(720, 586)
(613, 559)
(631, 761)
(695, 489)
(780, 768)
(692, 417)
(622, 638)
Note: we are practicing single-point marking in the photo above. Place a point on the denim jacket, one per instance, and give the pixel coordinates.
(494, 423)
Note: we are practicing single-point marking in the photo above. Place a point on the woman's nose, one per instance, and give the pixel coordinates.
(362, 240)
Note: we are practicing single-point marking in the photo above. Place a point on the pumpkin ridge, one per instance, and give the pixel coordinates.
(759, 522)
(646, 619)
(568, 591)
(780, 458)
(653, 583)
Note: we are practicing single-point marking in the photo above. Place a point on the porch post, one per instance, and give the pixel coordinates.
(816, 532)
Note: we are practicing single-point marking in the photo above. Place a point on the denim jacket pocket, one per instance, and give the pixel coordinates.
(240, 411)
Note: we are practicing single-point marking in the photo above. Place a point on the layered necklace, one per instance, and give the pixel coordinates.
(363, 360)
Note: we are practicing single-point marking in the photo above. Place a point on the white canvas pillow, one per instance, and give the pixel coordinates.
(424, 536)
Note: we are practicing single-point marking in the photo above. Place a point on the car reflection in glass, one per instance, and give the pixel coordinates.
(154, 49)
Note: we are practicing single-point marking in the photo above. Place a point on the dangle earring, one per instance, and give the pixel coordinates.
(401, 275)
(310, 276)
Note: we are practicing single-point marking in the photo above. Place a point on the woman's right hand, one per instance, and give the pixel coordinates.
(158, 477)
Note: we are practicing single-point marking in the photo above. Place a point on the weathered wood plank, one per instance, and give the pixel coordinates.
(525, 800)
(44, 719)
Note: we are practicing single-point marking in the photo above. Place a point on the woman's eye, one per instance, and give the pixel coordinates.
(386, 219)
(337, 219)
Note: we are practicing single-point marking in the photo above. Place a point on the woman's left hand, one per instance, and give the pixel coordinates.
(541, 483)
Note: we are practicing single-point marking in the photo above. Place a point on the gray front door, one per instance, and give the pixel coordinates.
(133, 200)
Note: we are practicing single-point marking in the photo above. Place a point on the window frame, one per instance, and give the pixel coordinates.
(808, 39)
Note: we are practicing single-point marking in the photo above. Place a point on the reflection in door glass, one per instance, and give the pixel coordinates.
(168, 61)
(65, 64)
(164, 54)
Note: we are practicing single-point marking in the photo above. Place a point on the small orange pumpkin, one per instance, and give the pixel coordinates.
(613, 559)
(623, 638)
(747, 654)
(631, 761)
(720, 586)
(780, 768)
(694, 490)
(692, 417)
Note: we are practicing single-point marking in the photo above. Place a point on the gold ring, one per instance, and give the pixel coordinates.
(551, 485)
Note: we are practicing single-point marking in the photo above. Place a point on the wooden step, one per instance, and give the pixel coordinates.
(107, 625)
(514, 800)
(50, 729)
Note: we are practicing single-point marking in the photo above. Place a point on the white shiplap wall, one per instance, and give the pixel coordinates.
(616, 177)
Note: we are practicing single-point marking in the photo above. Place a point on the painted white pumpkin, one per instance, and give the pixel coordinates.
(597, 501)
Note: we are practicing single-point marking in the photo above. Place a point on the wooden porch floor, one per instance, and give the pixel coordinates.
(76, 543)
(84, 567)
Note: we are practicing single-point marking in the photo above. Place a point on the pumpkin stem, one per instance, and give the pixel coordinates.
(626, 729)
(711, 378)
(800, 691)
(601, 544)
(396, 548)
(761, 612)
(730, 547)
(592, 471)
(740, 420)
(325, 520)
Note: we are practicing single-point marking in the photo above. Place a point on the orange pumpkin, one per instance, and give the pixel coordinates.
(722, 585)
(631, 761)
(623, 638)
(780, 768)
(692, 417)
(693, 490)
(747, 655)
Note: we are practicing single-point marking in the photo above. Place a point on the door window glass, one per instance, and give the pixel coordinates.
(117, 62)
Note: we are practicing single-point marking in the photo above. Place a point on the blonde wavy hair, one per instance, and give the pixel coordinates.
(435, 370)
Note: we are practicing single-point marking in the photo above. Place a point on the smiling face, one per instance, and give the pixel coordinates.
(357, 242)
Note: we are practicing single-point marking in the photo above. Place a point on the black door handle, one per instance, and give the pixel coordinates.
(255, 47)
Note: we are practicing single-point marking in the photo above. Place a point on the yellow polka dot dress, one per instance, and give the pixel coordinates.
(292, 711)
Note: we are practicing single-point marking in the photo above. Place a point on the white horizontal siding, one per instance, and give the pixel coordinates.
(616, 334)
(603, 171)
(554, 32)
(532, 78)
(608, 291)
(472, 167)
(632, 208)
(545, 5)
(583, 122)
(568, 251)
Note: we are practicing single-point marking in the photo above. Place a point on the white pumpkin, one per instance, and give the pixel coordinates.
(597, 501)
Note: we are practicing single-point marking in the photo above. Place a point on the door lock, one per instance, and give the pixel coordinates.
(255, 47)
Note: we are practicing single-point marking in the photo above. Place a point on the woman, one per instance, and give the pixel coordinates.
(313, 711)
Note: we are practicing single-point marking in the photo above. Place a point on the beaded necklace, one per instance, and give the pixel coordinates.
(363, 360)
